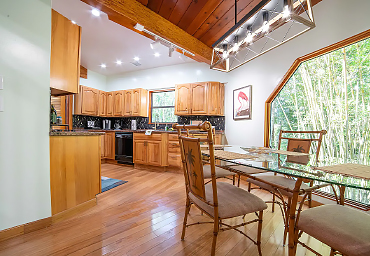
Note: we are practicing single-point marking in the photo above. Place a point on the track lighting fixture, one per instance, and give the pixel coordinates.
(154, 44)
(170, 51)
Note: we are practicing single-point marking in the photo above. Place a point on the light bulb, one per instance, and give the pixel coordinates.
(265, 26)
(118, 62)
(225, 54)
(157, 54)
(95, 12)
(136, 59)
(286, 12)
(236, 47)
(249, 37)
(103, 65)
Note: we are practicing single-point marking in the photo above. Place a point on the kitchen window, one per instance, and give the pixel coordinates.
(162, 108)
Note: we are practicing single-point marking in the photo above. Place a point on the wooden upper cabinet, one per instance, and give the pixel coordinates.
(110, 104)
(206, 98)
(102, 103)
(183, 99)
(90, 99)
(216, 98)
(139, 102)
(199, 99)
(118, 103)
(127, 99)
(64, 55)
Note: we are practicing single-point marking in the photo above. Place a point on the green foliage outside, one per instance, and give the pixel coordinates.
(163, 110)
(330, 92)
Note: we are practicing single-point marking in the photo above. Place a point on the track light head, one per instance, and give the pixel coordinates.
(170, 51)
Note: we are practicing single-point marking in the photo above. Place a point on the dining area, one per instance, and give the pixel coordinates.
(294, 174)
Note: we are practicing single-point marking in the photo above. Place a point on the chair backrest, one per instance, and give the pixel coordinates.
(192, 159)
(303, 145)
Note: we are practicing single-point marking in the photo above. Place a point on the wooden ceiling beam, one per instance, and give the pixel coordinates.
(129, 12)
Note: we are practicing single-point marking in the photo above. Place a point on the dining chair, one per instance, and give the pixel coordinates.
(344, 229)
(218, 200)
(281, 186)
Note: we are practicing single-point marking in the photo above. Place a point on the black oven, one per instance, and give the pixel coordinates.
(124, 147)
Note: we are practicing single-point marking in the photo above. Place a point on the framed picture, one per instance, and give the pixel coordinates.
(242, 103)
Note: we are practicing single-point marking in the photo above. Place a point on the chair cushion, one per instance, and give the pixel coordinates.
(232, 201)
(278, 180)
(342, 228)
(219, 172)
(246, 169)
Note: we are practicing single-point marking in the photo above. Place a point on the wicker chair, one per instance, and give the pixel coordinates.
(344, 229)
(218, 200)
(275, 184)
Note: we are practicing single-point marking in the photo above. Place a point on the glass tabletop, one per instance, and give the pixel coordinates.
(295, 166)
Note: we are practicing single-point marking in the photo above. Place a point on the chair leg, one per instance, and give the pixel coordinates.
(310, 196)
(259, 232)
(286, 221)
(249, 187)
(187, 210)
(273, 203)
(234, 179)
(215, 233)
(332, 252)
(238, 180)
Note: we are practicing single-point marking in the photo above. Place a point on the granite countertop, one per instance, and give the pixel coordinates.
(75, 133)
(127, 130)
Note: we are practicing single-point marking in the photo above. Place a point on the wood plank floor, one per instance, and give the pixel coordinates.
(144, 217)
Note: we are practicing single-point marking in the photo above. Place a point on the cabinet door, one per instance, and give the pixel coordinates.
(110, 145)
(102, 137)
(214, 98)
(183, 99)
(102, 103)
(140, 151)
(128, 102)
(90, 99)
(110, 103)
(64, 55)
(199, 99)
(118, 104)
(154, 152)
(136, 102)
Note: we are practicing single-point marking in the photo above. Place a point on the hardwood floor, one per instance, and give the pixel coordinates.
(144, 217)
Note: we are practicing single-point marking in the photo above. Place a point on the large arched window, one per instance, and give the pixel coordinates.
(331, 91)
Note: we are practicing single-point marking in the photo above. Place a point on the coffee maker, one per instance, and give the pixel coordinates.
(107, 125)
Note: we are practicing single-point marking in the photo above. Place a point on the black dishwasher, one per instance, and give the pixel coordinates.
(124, 147)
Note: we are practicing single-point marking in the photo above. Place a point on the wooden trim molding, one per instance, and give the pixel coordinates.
(293, 68)
(83, 72)
(46, 222)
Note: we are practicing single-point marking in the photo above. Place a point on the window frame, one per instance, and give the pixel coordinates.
(151, 104)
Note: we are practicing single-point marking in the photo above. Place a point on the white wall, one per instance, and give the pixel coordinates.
(335, 20)
(164, 77)
(25, 27)
(95, 80)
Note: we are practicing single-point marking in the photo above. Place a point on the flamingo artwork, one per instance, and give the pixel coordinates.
(242, 110)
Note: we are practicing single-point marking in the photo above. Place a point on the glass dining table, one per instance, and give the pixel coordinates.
(295, 165)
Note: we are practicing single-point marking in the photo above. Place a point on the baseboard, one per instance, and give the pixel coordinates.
(158, 168)
(73, 211)
(25, 228)
(46, 222)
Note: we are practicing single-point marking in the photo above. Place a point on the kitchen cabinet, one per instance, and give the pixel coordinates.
(86, 101)
(110, 104)
(127, 100)
(151, 149)
(136, 102)
(118, 103)
(64, 55)
(110, 145)
(183, 99)
(102, 103)
(205, 98)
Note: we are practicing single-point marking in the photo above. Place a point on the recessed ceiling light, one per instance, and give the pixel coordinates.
(74, 22)
(118, 62)
(95, 12)
(103, 65)
(157, 54)
(136, 59)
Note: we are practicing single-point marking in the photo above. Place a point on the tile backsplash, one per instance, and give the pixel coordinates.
(80, 121)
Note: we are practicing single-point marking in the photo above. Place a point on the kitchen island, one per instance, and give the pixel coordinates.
(75, 170)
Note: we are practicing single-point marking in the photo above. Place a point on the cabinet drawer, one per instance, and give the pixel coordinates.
(142, 136)
(173, 147)
(173, 137)
(174, 159)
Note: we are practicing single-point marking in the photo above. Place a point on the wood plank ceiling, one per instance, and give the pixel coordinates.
(206, 20)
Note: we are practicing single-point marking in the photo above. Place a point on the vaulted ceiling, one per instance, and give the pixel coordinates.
(194, 25)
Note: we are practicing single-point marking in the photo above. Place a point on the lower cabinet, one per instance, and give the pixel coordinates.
(108, 145)
(151, 149)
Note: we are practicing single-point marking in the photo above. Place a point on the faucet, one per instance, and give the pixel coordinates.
(156, 121)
